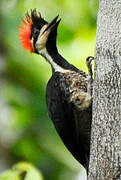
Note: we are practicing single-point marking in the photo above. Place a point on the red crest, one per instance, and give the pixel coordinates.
(25, 33)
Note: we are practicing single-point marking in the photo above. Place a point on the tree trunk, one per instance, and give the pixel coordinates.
(105, 155)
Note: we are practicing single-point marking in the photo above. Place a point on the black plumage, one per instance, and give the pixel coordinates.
(72, 124)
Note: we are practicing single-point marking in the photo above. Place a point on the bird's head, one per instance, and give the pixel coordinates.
(37, 34)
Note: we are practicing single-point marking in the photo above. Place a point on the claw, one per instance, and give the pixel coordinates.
(89, 65)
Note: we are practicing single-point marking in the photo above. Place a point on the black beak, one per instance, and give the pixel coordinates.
(53, 24)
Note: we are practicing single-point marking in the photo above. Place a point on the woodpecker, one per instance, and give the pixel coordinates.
(68, 92)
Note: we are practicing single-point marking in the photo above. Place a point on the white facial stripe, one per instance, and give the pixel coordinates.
(32, 42)
(56, 67)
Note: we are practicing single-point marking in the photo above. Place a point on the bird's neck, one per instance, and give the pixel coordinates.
(57, 62)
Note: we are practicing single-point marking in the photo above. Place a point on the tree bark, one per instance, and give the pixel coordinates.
(105, 155)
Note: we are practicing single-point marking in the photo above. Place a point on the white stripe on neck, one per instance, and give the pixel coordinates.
(55, 66)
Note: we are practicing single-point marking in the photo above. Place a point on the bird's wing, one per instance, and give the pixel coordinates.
(61, 113)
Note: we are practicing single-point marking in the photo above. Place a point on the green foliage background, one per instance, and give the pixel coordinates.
(26, 132)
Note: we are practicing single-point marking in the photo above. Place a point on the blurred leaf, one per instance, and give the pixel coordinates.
(10, 175)
(22, 171)
(33, 174)
(23, 166)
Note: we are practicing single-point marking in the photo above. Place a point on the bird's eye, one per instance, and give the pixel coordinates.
(36, 33)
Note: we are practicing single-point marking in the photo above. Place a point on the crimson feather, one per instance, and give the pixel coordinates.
(25, 34)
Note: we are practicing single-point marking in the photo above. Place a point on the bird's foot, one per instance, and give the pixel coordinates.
(89, 65)
(89, 78)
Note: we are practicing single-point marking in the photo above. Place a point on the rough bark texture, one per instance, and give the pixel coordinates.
(105, 156)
